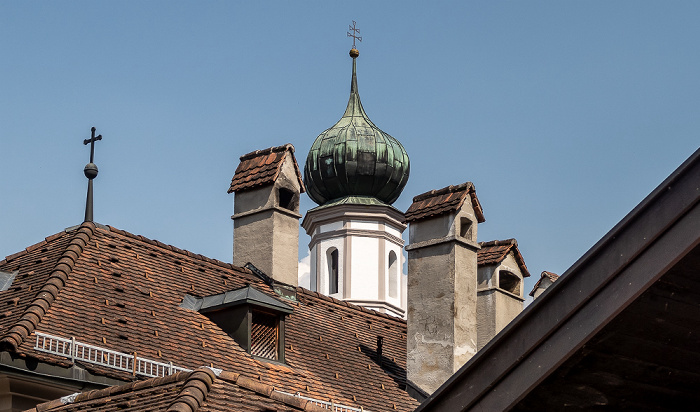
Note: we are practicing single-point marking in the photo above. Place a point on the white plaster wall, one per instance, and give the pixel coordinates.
(321, 267)
(392, 230)
(330, 226)
(364, 264)
(312, 269)
(363, 225)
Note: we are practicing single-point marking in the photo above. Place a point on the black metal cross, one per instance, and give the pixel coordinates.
(91, 173)
(92, 141)
(354, 34)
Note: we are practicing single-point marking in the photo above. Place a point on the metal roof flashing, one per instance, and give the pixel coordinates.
(247, 295)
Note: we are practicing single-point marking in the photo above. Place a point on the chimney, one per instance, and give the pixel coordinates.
(266, 188)
(442, 281)
(499, 295)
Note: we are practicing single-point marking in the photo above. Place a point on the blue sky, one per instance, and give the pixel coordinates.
(565, 115)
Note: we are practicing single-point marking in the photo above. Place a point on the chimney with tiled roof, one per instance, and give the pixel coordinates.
(442, 279)
(500, 292)
(267, 184)
(547, 279)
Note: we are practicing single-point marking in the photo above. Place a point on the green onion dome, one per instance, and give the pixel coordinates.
(355, 157)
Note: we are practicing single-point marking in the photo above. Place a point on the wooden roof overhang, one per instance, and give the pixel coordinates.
(618, 330)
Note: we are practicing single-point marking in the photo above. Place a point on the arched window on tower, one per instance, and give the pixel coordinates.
(393, 275)
(332, 256)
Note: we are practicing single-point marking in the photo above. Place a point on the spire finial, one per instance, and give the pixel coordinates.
(355, 31)
(91, 173)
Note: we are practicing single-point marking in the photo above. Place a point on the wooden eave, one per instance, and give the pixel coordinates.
(640, 250)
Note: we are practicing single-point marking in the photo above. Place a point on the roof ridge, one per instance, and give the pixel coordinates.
(445, 190)
(192, 395)
(505, 242)
(195, 390)
(41, 303)
(269, 150)
(329, 299)
(177, 250)
(549, 274)
(269, 391)
(110, 391)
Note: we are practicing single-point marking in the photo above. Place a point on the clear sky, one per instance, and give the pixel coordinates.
(565, 115)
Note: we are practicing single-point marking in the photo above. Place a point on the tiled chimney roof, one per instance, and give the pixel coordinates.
(445, 200)
(493, 253)
(262, 167)
(552, 277)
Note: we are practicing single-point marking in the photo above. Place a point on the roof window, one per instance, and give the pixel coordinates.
(6, 279)
(253, 319)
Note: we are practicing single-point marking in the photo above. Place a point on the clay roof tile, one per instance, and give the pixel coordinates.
(262, 167)
(343, 325)
(448, 199)
(552, 277)
(494, 251)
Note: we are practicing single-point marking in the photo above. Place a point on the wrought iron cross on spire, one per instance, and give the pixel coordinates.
(354, 34)
(92, 141)
(91, 173)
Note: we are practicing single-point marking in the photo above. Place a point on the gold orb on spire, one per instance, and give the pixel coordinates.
(355, 31)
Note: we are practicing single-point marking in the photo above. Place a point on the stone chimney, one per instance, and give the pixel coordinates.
(500, 289)
(442, 284)
(266, 188)
(547, 279)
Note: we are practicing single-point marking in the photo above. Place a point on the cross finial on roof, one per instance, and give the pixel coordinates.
(354, 34)
(91, 173)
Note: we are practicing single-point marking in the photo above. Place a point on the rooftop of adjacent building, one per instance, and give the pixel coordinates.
(127, 291)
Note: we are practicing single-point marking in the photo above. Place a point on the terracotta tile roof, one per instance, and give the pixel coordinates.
(262, 167)
(37, 264)
(199, 391)
(493, 253)
(552, 277)
(109, 288)
(445, 200)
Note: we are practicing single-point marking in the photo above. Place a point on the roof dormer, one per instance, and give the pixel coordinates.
(253, 319)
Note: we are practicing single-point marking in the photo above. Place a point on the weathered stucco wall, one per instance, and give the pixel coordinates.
(433, 228)
(285, 250)
(496, 307)
(266, 233)
(249, 245)
(441, 296)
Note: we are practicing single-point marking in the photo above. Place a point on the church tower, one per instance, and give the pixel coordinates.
(354, 172)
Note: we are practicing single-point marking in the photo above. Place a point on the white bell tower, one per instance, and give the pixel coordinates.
(357, 253)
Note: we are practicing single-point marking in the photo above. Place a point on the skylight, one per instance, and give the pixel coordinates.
(6, 279)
